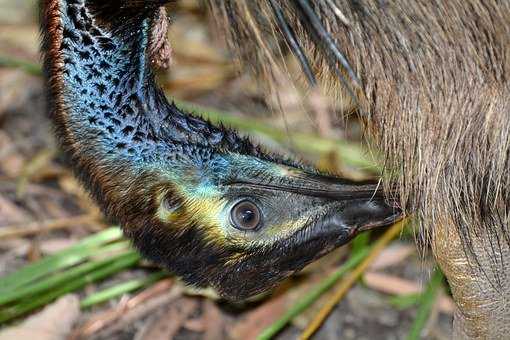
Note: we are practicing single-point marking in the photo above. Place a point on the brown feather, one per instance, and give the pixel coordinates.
(435, 98)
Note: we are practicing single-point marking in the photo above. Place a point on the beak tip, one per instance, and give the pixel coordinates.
(362, 215)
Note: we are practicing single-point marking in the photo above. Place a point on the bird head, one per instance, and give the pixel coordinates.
(240, 223)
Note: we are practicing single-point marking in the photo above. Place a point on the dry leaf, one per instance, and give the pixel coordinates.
(128, 311)
(397, 286)
(54, 322)
(392, 255)
(55, 245)
(255, 321)
(213, 321)
(167, 324)
(10, 213)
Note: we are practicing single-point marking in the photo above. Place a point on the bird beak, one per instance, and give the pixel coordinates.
(347, 207)
(362, 205)
(352, 217)
(356, 206)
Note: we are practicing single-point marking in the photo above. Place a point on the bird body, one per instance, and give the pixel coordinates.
(209, 205)
(430, 79)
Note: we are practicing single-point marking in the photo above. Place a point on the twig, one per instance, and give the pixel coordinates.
(349, 280)
(307, 300)
(32, 167)
(128, 311)
(38, 227)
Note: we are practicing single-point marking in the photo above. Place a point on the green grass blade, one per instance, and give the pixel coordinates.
(426, 302)
(57, 279)
(65, 258)
(360, 242)
(118, 263)
(312, 296)
(405, 301)
(121, 289)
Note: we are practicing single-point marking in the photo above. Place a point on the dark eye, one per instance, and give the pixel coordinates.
(245, 215)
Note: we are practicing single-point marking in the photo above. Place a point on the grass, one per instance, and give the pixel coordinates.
(31, 302)
(61, 260)
(94, 258)
(121, 289)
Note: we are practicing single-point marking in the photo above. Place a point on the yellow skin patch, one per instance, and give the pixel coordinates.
(271, 235)
(207, 213)
(203, 211)
(286, 228)
(203, 207)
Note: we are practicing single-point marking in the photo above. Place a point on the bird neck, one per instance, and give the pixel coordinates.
(104, 84)
(114, 123)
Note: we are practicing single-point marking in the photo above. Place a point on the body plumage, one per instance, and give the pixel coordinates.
(430, 80)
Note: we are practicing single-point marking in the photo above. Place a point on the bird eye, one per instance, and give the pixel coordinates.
(245, 215)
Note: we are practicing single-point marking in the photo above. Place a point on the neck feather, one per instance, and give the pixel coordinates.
(109, 114)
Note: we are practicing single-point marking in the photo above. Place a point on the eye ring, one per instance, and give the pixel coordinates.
(245, 215)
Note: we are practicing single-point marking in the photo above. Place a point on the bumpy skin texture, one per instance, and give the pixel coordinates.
(434, 92)
(171, 179)
(482, 293)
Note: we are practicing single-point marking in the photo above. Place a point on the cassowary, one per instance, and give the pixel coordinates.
(428, 78)
(211, 206)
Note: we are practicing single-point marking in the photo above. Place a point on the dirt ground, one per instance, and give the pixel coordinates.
(43, 209)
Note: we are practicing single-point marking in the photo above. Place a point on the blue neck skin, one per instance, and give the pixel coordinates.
(113, 103)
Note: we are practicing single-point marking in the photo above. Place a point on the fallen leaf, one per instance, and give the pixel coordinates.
(257, 320)
(213, 321)
(127, 310)
(392, 255)
(10, 213)
(167, 324)
(55, 245)
(53, 323)
(397, 286)
(391, 284)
